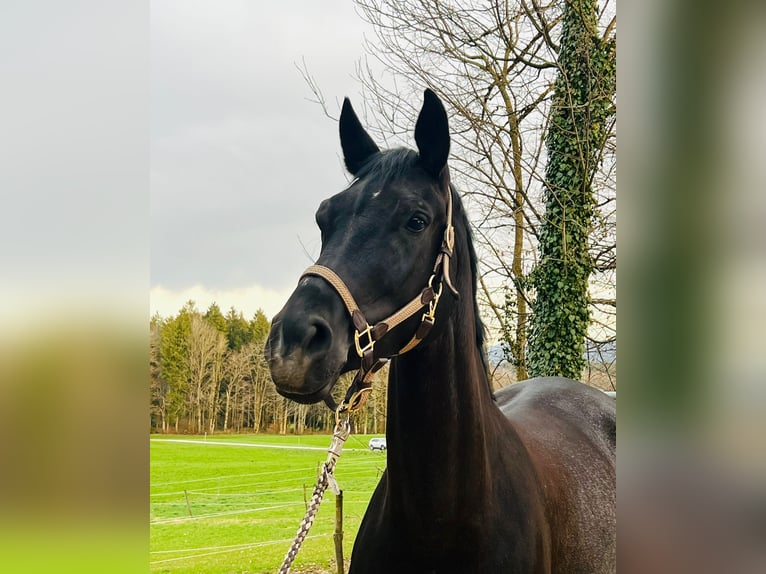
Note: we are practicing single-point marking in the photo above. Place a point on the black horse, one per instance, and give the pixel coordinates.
(522, 481)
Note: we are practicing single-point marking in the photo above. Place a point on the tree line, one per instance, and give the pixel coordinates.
(208, 375)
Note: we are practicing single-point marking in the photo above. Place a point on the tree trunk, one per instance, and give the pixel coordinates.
(520, 339)
(582, 104)
(226, 409)
(283, 413)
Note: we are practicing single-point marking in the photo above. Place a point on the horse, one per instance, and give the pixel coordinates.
(521, 480)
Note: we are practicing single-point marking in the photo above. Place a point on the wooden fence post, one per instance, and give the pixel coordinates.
(338, 535)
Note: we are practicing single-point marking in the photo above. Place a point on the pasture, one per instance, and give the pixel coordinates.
(232, 503)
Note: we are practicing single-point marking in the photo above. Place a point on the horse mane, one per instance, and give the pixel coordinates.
(460, 218)
(388, 165)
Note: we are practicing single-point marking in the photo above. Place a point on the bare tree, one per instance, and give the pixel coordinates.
(236, 371)
(263, 389)
(158, 387)
(207, 346)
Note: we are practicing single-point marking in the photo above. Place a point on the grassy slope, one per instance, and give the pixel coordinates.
(247, 501)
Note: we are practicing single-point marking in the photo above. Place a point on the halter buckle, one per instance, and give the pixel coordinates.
(369, 345)
(430, 316)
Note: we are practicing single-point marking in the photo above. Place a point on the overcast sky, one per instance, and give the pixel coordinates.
(240, 158)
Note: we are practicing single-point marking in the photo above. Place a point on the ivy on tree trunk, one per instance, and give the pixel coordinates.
(582, 104)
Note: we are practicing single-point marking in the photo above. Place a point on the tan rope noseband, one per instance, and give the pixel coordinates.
(366, 335)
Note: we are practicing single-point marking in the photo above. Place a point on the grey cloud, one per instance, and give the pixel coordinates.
(240, 157)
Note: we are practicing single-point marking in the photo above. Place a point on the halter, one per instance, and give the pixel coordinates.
(366, 335)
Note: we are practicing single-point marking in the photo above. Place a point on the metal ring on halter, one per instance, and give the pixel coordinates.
(353, 403)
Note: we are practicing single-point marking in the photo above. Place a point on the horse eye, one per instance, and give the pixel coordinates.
(416, 224)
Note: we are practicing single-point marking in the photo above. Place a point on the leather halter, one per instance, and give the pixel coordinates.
(366, 335)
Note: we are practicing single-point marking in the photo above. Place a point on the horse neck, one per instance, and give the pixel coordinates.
(439, 410)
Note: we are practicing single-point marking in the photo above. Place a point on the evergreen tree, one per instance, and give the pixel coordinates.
(260, 326)
(175, 339)
(214, 317)
(238, 329)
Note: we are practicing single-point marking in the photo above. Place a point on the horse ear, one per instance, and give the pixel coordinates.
(432, 134)
(356, 143)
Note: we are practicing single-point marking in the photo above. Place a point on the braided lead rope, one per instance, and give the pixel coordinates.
(326, 478)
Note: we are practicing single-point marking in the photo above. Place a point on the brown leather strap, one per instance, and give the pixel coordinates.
(361, 324)
(411, 308)
(357, 392)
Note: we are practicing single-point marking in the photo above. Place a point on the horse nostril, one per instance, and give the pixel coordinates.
(319, 336)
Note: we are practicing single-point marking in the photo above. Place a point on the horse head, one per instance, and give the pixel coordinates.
(381, 238)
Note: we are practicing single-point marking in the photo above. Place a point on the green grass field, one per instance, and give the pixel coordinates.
(233, 503)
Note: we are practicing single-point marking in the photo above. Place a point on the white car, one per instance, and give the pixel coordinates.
(377, 443)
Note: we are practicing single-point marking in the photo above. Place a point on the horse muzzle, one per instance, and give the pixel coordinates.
(305, 354)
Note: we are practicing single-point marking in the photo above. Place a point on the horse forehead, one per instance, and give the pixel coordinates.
(376, 196)
(392, 193)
